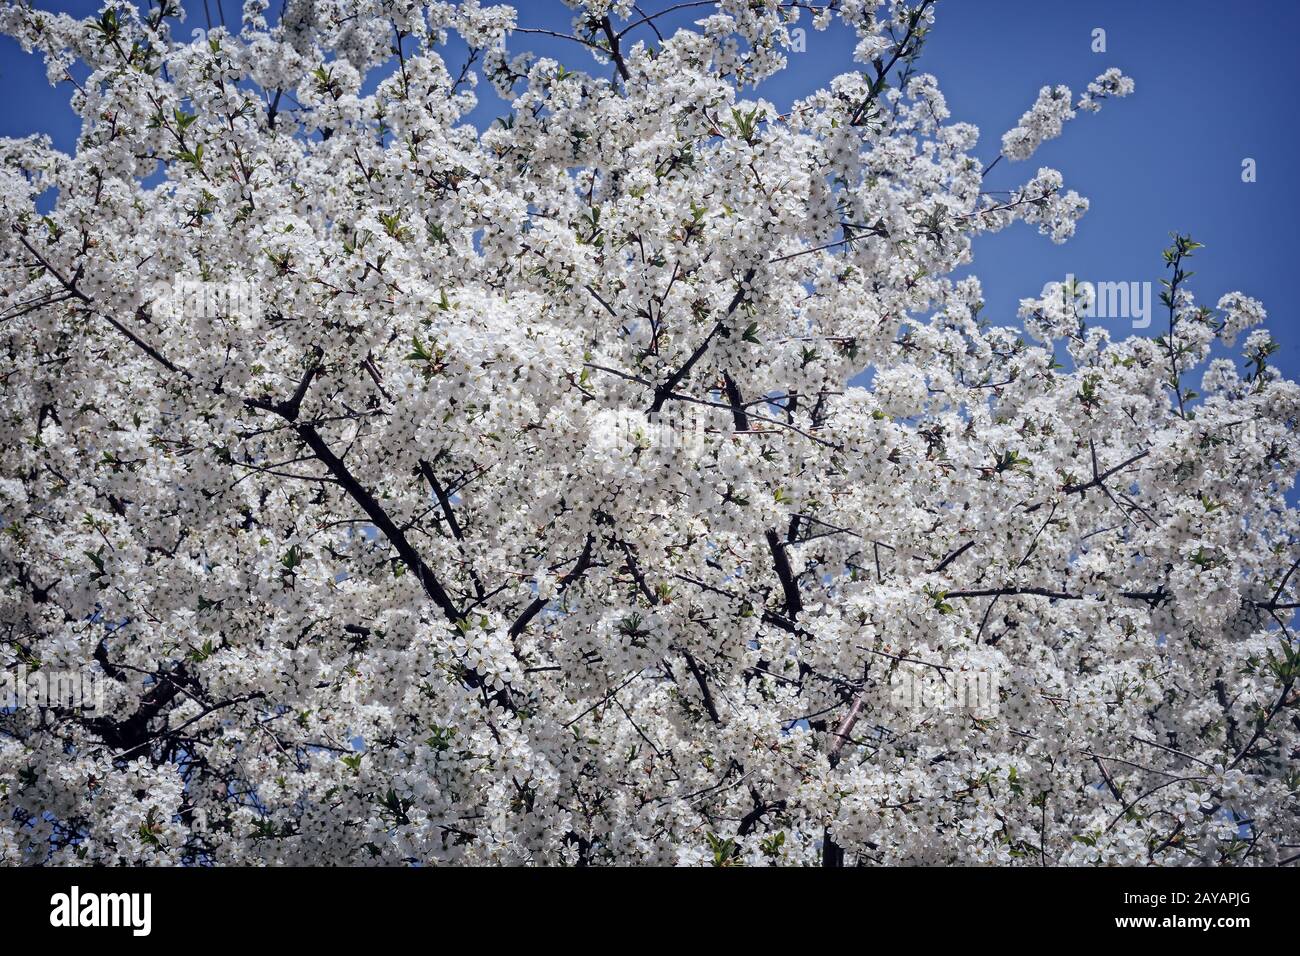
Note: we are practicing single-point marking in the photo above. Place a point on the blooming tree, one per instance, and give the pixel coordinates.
(416, 492)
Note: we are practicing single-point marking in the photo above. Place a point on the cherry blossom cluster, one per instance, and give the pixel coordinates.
(580, 489)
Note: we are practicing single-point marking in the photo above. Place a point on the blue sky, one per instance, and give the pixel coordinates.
(1214, 83)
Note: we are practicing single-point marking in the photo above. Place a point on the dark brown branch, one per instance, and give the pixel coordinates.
(579, 568)
(1151, 597)
(761, 809)
(379, 517)
(1099, 477)
(953, 556)
(615, 52)
(444, 501)
(664, 392)
(698, 674)
(790, 587)
(739, 416)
